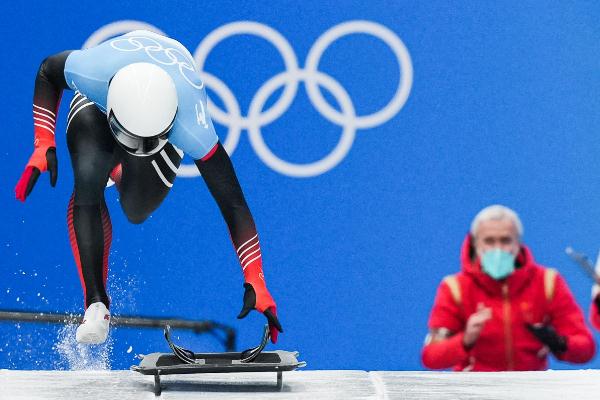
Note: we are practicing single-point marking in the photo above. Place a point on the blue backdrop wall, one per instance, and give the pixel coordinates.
(428, 113)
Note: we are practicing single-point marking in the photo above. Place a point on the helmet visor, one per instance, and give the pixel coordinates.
(133, 144)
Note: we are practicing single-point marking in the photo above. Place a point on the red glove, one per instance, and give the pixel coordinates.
(258, 297)
(43, 157)
(32, 172)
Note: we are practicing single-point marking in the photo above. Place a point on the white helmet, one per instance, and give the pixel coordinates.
(141, 107)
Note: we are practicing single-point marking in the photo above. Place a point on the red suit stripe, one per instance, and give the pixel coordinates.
(74, 247)
(107, 229)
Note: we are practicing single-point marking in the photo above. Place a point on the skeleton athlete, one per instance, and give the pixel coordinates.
(139, 105)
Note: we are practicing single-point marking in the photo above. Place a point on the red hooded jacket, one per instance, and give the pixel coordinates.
(505, 343)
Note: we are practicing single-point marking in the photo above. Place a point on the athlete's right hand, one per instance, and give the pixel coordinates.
(42, 159)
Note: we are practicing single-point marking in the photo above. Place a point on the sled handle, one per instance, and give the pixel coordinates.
(250, 354)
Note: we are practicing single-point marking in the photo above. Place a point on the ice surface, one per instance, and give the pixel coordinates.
(75, 356)
(544, 385)
(312, 385)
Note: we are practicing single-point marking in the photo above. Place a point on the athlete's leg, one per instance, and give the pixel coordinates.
(146, 181)
(92, 150)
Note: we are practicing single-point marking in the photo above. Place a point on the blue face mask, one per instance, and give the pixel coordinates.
(498, 263)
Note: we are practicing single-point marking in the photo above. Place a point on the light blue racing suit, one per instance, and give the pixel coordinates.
(89, 72)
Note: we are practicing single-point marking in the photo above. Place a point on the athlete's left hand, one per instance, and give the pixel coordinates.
(260, 299)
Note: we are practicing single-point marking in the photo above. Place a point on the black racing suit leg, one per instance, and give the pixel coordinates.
(92, 151)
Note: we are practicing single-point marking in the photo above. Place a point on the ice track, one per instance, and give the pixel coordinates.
(310, 385)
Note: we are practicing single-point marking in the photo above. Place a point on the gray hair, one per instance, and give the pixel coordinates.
(497, 212)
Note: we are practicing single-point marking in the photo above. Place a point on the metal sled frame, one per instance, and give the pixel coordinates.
(183, 361)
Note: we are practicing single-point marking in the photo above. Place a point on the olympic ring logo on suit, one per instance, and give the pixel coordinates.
(155, 50)
(313, 79)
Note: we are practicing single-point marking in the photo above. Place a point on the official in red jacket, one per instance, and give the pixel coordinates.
(503, 311)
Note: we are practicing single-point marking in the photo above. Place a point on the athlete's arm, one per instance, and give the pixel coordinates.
(218, 173)
(49, 84)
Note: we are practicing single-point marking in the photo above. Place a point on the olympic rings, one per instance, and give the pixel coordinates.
(313, 79)
(317, 167)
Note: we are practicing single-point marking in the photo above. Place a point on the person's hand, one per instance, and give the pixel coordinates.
(260, 299)
(475, 325)
(549, 337)
(596, 296)
(543, 352)
(43, 159)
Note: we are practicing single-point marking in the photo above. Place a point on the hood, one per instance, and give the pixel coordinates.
(471, 266)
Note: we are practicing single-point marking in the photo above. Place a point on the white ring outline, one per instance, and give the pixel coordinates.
(310, 169)
(405, 71)
(270, 35)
